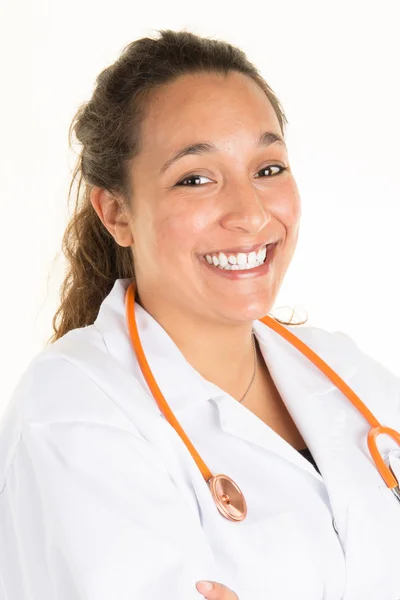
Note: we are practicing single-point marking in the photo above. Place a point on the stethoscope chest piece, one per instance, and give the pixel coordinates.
(228, 497)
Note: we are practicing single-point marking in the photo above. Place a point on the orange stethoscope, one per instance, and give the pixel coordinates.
(227, 496)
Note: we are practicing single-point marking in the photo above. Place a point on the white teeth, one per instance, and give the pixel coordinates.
(252, 258)
(223, 261)
(262, 254)
(239, 262)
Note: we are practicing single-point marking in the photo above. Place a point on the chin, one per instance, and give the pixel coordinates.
(248, 312)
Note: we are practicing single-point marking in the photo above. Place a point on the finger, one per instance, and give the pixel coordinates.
(218, 591)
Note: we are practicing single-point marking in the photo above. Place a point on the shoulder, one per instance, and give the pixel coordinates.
(329, 343)
(47, 389)
(59, 386)
(338, 347)
(372, 381)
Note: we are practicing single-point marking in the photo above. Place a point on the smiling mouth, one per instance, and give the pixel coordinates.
(240, 261)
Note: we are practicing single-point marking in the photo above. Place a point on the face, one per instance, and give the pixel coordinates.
(232, 199)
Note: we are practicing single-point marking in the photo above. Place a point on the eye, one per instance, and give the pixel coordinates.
(191, 178)
(197, 177)
(282, 169)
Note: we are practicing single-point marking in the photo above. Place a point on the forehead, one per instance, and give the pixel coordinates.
(204, 106)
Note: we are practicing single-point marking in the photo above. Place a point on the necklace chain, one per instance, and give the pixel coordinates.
(255, 367)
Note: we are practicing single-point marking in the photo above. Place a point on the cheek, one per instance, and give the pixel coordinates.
(178, 233)
(186, 226)
(288, 207)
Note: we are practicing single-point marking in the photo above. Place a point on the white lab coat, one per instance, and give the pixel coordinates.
(101, 500)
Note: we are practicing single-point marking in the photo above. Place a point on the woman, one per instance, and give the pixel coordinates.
(100, 496)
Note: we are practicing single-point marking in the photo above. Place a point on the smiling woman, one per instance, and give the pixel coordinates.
(186, 220)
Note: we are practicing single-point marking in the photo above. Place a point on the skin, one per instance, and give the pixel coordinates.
(170, 228)
(218, 591)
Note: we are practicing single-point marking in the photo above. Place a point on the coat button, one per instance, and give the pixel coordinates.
(334, 526)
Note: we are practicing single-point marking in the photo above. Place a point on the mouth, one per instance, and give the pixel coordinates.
(237, 265)
(238, 259)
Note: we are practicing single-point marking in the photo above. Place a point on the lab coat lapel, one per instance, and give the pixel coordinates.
(315, 405)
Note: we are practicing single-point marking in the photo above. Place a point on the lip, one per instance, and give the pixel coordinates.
(243, 249)
(248, 273)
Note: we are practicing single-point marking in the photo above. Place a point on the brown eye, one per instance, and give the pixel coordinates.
(270, 167)
(192, 177)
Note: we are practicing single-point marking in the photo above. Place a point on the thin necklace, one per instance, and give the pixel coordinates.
(255, 367)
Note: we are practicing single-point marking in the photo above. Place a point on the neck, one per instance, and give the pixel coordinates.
(222, 354)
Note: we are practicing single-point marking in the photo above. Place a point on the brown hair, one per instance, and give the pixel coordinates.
(108, 129)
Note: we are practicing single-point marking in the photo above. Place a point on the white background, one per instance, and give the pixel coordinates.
(335, 68)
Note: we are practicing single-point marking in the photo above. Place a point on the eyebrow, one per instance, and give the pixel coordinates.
(266, 139)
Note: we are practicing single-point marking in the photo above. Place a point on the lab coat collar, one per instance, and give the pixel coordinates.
(179, 382)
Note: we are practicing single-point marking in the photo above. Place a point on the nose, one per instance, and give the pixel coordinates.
(245, 210)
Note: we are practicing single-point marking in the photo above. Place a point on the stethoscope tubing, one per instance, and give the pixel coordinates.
(227, 495)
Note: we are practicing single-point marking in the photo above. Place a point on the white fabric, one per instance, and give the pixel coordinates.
(101, 500)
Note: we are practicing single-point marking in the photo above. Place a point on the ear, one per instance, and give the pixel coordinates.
(113, 214)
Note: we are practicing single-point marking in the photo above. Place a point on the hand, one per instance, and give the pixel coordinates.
(218, 591)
